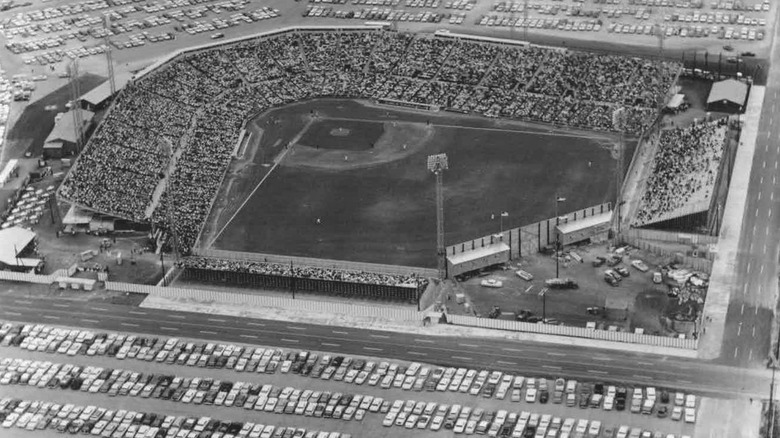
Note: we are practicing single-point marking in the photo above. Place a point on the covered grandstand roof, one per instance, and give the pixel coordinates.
(729, 90)
(102, 92)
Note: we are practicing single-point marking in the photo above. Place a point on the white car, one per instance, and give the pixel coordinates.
(460, 425)
(595, 428)
(690, 415)
(582, 426)
(492, 283)
(690, 401)
(677, 413)
(437, 422)
(530, 395)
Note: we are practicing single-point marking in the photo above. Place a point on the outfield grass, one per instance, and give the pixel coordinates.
(384, 212)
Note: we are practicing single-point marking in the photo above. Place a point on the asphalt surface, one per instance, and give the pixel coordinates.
(527, 358)
(747, 334)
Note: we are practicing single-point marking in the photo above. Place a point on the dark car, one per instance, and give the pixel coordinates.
(662, 412)
(598, 388)
(599, 262)
(749, 54)
(611, 281)
(620, 404)
(544, 397)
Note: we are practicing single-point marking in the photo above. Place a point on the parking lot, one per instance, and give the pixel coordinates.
(633, 300)
(240, 383)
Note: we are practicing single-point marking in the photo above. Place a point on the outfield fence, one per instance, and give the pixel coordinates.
(578, 332)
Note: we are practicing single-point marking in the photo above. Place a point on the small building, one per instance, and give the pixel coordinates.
(592, 228)
(479, 258)
(17, 245)
(728, 96)
(61, 141)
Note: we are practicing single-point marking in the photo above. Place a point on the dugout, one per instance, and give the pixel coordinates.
(592, 228)
(478, 258)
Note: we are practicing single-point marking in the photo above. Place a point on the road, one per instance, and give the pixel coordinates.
(526, 358)
(748, 328)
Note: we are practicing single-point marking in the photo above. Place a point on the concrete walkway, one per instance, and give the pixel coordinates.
(724, 268)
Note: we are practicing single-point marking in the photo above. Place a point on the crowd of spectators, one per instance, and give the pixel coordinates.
(198, 101)
(300, 271)
(684, 171)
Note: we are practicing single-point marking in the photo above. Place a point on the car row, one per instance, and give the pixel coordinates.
(92, 420)
(414, 377)
(412, 414)
(206, 391)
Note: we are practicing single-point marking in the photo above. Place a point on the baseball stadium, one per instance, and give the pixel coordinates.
(252, 154)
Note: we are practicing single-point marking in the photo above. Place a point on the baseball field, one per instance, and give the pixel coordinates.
(347, 180)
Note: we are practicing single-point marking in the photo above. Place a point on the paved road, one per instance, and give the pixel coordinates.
(747, 333)
(519, 357)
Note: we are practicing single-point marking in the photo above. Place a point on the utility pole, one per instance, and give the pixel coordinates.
(619, 122)
(438, 164)
(75, 94)
(558, 200)
(167, 147)
(109, 60)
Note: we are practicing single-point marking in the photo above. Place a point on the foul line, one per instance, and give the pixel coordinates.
(281, 157)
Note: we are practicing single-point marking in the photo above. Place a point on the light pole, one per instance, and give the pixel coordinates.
(558, 200)
(438, 164)
(500, 223)
(543, 294)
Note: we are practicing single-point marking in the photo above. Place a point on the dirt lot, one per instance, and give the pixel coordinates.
(636, 303)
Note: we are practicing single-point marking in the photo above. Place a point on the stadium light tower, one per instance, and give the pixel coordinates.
(438, 164)
(619, 120)
(75, 92)
(109, 59)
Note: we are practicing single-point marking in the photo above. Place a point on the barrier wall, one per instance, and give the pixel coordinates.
(256, 300)
(32, 278)
(700, 264)
(579, 332)
(669, 236)
(315, 263)
(529, 239)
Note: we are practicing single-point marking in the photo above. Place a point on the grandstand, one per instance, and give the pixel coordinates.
(197, 100)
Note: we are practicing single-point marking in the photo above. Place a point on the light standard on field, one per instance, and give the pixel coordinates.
(558, 200)
(437, 164)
